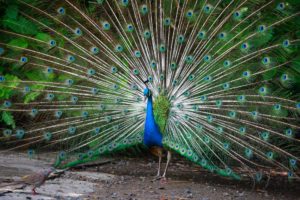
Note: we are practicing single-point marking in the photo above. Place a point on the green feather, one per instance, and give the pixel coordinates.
(161, 109)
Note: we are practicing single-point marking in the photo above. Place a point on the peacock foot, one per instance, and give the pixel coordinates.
(156, 178)
(33, 191)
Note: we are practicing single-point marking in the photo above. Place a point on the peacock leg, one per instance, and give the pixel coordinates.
(158, 171)
(33, 191)
(157, 151)
(168, 161)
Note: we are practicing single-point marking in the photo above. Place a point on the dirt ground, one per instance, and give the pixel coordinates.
(132, 178)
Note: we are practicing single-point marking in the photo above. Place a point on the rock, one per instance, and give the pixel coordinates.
(114, 195)
(266, 194)
(149, 165)
(225, 194)
(190, 195)
(142, 178)
(161, 187)
(188, 191)
(132, 194)
(241, 194)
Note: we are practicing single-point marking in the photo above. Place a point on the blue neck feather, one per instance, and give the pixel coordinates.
(152, 134)
(149, 114)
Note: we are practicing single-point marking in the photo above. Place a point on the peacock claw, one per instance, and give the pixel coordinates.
(156, 178)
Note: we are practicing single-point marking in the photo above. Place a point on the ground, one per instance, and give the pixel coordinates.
(132, 178)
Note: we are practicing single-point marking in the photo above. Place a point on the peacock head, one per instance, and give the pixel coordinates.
(147, 92)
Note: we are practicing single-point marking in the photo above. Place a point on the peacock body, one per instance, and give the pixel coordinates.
(221, 80)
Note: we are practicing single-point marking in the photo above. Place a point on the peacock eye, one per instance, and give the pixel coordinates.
(147, 34)
(189, 14)
(262, 28)
(286, 43)
(226, 85)
(49, 70)
(203, 98)
(94, 50)
(266, 60)
(289, 132)
(61, 11)
(23, 59)
(130, 28)
(78, 31)
(237, 14)
(124, 2)
(221, 35)
(91, 72)
(167, 21)
(201, 35)
(7, 132)
(1, 51)
(2, 79)
(105, 26)
(20, 133)
(173, 66)
(281, 6)
(144, 9)
(114, 70)
(119, 48)
(52, 43)
(70, 58)
(207, 58)
(262, 90)
(207, 8)
(153, 64)
(137, 54)
(162, 77)
(180, 39)
(162, 48)
(7, 104)
(244, 46)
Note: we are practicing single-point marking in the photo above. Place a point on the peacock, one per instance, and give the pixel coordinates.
(213, 81)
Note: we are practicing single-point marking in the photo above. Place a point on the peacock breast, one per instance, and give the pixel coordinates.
(152, 134)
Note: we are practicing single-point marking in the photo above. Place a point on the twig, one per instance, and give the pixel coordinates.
(94, 164)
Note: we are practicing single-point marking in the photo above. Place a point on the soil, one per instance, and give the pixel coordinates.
(133, 178)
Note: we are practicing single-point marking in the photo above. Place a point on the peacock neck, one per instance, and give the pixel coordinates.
(150, 108)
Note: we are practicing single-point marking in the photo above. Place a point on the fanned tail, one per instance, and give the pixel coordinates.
(224, 76)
